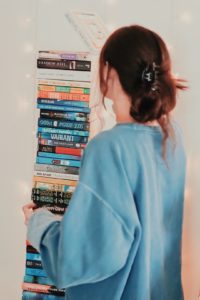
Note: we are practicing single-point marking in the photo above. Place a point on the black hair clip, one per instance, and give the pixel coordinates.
(149, 76)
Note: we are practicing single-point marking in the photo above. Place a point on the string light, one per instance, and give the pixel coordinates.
(28, 75)
(186, 17)
(28, 47)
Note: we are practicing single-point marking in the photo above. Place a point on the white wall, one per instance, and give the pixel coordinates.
(28, 25)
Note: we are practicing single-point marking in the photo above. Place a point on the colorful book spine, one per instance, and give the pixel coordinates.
(71, 116)
(58, 156)
(63, 137)
(66, 89)
(60, 150)
(63, 108)
(56, 175)
(63, 131)
(64, 64)
(59, 143)
(63, 102)
(63, 96)
(78, 55)
(59, 162)
(57, 169)
(63, 74)
(64, 83)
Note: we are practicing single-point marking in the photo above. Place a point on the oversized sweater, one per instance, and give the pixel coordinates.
(120, 238)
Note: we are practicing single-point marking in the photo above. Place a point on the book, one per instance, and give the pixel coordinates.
(58, 143)
(60, 150)
(63, 108)
(64, 64)
(40, 280)
(35, 272)
(57, 54)
(35, 264)
(55, 181)
(63, 96)
(53, 123)
(26, 295)
(63, 131)
(63, 75)
(40, 288)
(71, 116)
(33, 256)
(56, 175)
(47, 200)
(63, 137)
(58, 156)
(64, 83)
(63, 102)
(31, 249)
(57, 210)
(56, 169)
(52, 194)
(67, 89)
(53, 186)
(60, 162)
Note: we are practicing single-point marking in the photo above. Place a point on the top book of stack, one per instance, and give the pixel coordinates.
(58, 65)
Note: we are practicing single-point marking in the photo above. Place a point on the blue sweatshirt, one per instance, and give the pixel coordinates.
(120, 238)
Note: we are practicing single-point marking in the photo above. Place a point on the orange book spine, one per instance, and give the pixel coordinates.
(62, 96)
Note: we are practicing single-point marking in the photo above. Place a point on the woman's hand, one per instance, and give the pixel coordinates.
(28, 210)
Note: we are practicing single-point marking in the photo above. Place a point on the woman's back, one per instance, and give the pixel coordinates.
(152, 270)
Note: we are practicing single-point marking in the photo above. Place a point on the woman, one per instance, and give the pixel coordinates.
(120, 238)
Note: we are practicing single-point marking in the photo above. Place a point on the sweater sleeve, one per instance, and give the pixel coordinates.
(92, 241)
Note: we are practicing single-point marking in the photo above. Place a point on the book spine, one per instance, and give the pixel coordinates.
(58, 210)
(63, 137)
(52, 123)
(53, 187)
(57, 143)
(58, 156)
(64, 83)
(63, 102)
(45, 289)
(63, 131)
(35, 272)
(31, 249)
(60, 162)
(63, 96)
(55, 181)
(35, 279)
(64, 55)
(60, 150)
(71, 116)
(64, 64)
(33, 264)
(63, 75)
(66, 89)
(63, 108)
(33, 256)
(46, 200)
(52, 194)
(56, 169)
(56, 175)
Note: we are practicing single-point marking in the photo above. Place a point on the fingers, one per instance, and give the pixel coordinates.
(28, 206)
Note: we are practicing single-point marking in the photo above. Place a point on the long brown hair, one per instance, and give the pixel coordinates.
(129, 50)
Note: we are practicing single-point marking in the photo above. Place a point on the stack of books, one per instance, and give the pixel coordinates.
(63, 100)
